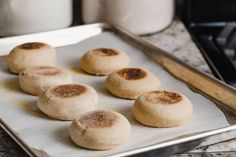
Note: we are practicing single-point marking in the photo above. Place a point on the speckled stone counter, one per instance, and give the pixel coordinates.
(177, 41)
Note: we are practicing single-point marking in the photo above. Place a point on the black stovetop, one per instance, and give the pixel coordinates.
(217, 42)
(212, 24)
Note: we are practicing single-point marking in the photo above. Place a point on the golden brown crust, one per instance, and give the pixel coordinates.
(162, 97)
(66, 91)
(31, 45)
(105, 52)
(132, 73)
(98, 119)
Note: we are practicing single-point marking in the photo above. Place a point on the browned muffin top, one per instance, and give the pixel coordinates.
(98, 119)
(162, 97)
(104, 52)
(132, 73)
(69, 90)
(32, 45)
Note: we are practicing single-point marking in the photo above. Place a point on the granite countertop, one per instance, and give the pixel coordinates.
(177, 41)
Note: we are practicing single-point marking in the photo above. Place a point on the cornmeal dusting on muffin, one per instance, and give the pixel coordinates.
(132, 73)
(162, 97)
(98, 119)
(105, 52)
(32, 45)
(68, 90)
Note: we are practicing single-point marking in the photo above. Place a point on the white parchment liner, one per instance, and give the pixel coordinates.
(20, 112)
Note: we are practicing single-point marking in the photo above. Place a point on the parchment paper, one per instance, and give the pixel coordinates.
(20, 112)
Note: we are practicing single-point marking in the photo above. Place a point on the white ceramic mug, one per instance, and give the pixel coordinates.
(30, 16)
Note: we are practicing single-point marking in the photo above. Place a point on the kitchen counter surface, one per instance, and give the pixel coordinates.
(177, 41)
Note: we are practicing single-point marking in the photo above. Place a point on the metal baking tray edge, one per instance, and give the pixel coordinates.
(203, 83)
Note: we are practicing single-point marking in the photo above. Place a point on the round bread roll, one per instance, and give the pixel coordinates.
(100, 130)
(131, 82)
(30, 55)
(66, 102)
(36, 80)
(103, 61)
(162, 109)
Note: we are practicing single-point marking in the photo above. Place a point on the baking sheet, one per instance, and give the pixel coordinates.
(19, 110)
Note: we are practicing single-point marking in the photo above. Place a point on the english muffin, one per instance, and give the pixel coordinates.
(131, 82)
(103, 61)
(29, 55)
(100, 130)
(66, 102)
(162, 109)
(38, 79)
